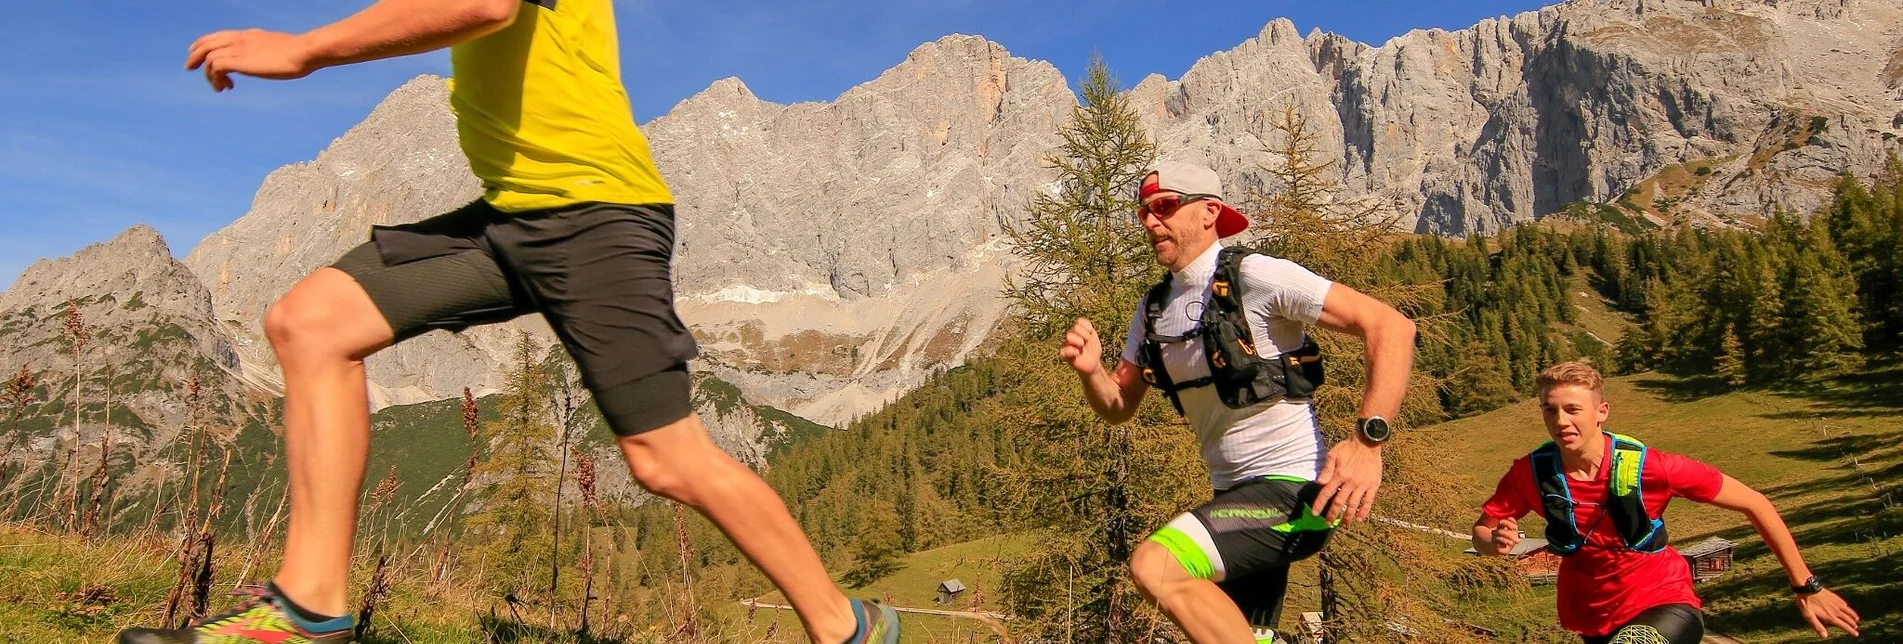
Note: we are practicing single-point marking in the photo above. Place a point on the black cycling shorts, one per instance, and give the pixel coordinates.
(1664, 624)
(1245, 539)
(600, 273)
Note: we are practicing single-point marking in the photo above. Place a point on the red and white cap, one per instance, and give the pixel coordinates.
(1183, 177)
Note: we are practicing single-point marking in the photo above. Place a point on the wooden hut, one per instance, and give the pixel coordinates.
(948, 592)
(1709, 559)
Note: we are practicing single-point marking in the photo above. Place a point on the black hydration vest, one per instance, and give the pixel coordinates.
(1241, 377)
(1625, 499)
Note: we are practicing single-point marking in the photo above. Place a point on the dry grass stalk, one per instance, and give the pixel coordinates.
(208, 542)
(258, 545)
(690, 609)
(76, 333)
(585, 479)
(472, 425)
(100, 479)
(17, 395)
(379, 591)
(69, 490)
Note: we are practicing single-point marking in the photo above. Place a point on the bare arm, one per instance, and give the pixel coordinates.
(1352, 475)
(1389, 338)
(387, 29)
(1819, 609)
(392, 28)
(1116, 396)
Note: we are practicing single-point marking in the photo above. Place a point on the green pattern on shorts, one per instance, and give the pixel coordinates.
(1187, 552)
(1639, 634)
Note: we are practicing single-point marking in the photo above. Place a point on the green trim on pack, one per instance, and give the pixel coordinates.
(1625, 502)
(1625, 471)
(1187, 552)
(1285, 477)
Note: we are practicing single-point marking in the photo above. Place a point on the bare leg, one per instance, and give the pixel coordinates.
(1198, 605)
(322, 330)
(679, 462)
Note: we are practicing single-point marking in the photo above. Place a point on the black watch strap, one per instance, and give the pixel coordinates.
(1811, 586)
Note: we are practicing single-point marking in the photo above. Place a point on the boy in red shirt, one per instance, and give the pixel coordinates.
(1618, 581)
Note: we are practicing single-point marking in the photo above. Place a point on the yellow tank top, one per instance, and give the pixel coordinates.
(542, 114)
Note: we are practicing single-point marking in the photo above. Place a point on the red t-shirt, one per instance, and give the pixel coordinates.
(1604, 584)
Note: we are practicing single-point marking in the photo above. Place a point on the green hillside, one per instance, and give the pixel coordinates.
(915, 585)
(1829, 456)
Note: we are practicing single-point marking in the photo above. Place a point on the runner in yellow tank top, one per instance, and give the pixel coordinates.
(575, 224)
(543, 116)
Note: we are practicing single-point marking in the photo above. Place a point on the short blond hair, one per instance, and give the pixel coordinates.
(1572, 374)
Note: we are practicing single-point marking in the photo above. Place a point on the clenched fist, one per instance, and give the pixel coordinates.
(1506, 535)
(1082, 349)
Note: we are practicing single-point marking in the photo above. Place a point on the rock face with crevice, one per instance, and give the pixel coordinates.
(1517, 118)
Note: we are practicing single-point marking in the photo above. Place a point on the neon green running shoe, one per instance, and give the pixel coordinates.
(882, 623)
(258, 619)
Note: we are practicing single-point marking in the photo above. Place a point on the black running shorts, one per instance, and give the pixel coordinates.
(1245, 539)
(600, 273)
(1665, 624)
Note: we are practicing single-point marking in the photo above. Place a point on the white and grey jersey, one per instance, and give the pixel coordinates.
(1279, 438)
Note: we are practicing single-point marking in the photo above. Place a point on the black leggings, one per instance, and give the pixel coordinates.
(1665, 624)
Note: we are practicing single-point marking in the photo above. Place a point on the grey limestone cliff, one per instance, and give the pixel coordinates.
(831, 254)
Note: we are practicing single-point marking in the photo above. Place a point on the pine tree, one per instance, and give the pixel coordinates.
(1763, 330)
(1640, 348)
(1819, 309)
(515, 516)
(877, 549)
(1078, 483)
(1091, 252)
(1857, 228)
(1731, 364)
(1309, 217)
(1479, 385)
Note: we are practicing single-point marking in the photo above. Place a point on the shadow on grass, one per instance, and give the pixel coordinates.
(1855, 516)
(504, 630)
(1869, 579)
(1876, 391)
(1683, 389)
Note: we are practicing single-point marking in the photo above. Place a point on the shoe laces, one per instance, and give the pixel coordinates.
(253, 596)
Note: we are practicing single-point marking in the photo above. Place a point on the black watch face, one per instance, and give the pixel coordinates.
(1376, 429)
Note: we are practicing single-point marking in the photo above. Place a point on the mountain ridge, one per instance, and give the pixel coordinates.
(834, 253)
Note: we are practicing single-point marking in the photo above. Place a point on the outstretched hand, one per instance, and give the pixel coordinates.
(1827, 608)
(251, 52)
(1349, 481)
(1082, 348)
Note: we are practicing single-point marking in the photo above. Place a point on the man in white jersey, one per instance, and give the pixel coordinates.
(1220, 570)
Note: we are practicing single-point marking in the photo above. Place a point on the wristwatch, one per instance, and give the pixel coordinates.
(1374, 428)
(1811, 586)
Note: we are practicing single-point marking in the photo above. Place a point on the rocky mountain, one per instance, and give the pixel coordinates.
(149, 330)
(832, 254)
(809, 286)
(1517, 118)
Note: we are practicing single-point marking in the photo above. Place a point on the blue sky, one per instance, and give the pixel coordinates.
(100, 128)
